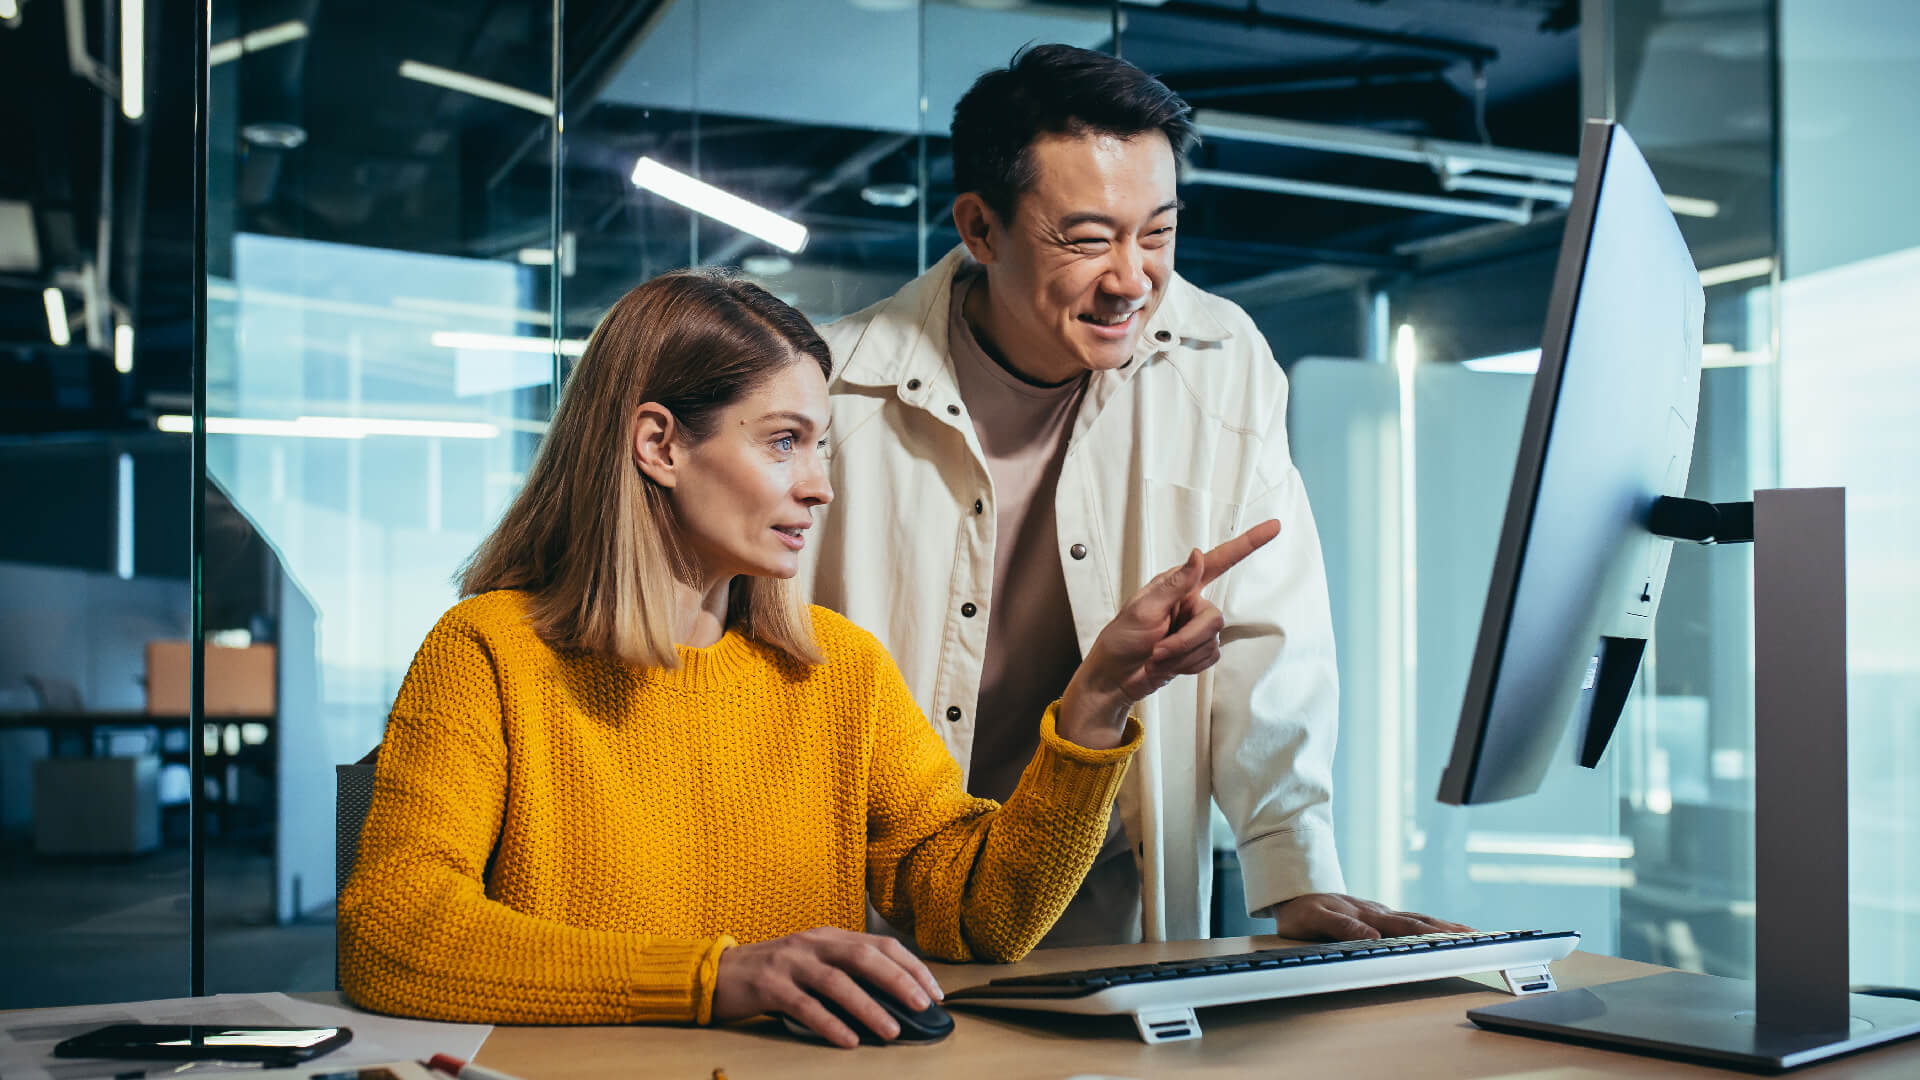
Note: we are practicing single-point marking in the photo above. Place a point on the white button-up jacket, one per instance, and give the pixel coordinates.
(1184, 447)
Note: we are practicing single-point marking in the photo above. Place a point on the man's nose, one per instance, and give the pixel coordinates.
(1127, 274)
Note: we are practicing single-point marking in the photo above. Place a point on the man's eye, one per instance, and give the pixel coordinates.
(1083, 241)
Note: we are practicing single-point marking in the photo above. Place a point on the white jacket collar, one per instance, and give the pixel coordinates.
(906, 338)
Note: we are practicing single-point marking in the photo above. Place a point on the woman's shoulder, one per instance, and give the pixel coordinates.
(845, 642)
(498, 619)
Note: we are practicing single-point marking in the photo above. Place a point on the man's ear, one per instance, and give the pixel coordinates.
(980, 228)
(655, 447)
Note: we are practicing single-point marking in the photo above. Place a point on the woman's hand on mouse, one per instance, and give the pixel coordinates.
(1164, 630)
(777, 975)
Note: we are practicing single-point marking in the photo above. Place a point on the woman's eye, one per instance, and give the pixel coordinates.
(784, 444)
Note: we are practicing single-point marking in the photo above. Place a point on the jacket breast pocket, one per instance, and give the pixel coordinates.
(1180, 518)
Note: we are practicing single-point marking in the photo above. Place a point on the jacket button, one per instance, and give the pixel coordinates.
(953, 713)
(978, 506)
(1078, 551)
(968, 610)
(913, 384)
(953, 410)
(1163, 335)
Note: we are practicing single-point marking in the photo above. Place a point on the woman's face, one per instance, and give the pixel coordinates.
(745, 495)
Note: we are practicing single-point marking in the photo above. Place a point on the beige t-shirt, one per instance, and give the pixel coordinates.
(1032, 650)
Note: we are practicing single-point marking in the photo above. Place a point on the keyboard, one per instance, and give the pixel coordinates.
(1162, 997)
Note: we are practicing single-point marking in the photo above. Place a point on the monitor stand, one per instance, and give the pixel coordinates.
(1797, 1010)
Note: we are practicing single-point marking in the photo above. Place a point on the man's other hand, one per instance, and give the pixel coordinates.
(1334, 917)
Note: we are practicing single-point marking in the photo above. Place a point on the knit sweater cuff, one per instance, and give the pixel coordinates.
(1078, 774)
(676, 979)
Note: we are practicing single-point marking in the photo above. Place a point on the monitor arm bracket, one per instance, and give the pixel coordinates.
(1701, 522)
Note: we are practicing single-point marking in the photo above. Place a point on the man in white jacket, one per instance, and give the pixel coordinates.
(1027, 433)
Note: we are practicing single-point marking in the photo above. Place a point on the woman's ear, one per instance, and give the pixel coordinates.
(654, 444)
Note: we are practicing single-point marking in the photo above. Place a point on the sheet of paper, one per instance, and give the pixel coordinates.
(27, 1037)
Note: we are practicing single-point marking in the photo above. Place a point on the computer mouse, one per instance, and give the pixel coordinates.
(927, 1025)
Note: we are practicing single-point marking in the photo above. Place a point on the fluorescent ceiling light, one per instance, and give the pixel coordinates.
(722, 206)
(460, 339)
(331, 427)
(123, 535)
(1439, 204)
(133, 49)
(264, 38)
(9, 9)
(1688, 206)
(468, 84)
(1736, 271)
(123, 347)
(1570, 847)
(536, 256)
(56, 302)
(1524, 362)
(1714, 354)
(1405, 353)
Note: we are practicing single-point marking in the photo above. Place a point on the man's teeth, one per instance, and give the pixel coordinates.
(1108, 320)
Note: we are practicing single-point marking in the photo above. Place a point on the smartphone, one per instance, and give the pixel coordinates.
(181, 1042)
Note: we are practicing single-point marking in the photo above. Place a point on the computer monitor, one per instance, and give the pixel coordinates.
(1598, 490)
(1577, 575)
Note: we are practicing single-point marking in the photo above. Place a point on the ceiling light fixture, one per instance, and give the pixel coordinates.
(478, 87)
(766, 265)
(9, 10)
(133, 48)
(1688, 206)
(462, 339)
(1714, 354)
(1736, 271)
(784, 233)
(123, 348)
(1524, 362)
(894, 194)
(56, 302)
(330, 427)
(266, 37)
(275, 135)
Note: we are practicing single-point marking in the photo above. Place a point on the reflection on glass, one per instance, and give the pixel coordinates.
(381, 354)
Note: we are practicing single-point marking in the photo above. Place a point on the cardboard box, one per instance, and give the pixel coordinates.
(240, 682)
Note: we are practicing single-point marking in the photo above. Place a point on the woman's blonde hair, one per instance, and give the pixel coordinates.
(592, 540)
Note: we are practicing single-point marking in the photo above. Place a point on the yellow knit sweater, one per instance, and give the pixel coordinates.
(559, 837)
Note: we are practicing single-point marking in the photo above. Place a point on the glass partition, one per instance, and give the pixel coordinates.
(380, 365)
(1849, 83)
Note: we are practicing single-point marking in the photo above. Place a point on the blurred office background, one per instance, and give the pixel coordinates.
(415, 213)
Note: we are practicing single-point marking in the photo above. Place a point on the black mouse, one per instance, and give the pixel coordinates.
(928, 1025)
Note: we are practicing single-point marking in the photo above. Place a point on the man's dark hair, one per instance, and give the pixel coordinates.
(1054, 90)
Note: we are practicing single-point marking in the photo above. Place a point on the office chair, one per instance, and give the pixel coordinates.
(353, 796)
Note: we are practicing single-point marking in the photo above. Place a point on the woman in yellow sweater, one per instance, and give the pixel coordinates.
(631, 778)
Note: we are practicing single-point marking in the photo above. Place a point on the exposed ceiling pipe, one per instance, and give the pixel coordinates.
(1252, 17)
(1441, 155)
(1312, 189)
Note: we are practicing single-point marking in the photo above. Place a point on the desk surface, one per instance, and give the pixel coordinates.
(1419, 1029)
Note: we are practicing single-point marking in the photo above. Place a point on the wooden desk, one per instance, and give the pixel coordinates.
(1416, 1030)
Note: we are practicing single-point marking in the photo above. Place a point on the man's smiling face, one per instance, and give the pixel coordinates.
(1074, 277)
